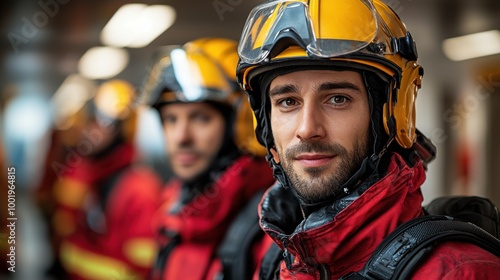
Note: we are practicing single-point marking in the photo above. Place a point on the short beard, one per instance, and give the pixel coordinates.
(321, 186)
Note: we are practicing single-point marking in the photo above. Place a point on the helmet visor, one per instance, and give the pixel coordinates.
(198, 78)
(324, 32)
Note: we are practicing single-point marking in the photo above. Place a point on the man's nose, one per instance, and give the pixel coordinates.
(182, 133)
(311, 123)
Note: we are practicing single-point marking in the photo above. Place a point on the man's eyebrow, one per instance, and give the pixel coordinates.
(278, 90)
(338, 85)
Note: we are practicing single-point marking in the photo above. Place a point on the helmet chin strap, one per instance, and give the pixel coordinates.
(278, 171)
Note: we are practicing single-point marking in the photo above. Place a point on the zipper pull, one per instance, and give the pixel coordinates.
(286, 255)
(288, 259)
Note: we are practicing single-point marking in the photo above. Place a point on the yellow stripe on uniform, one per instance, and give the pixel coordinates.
(70, 193)
(89, 265)
(140, 251)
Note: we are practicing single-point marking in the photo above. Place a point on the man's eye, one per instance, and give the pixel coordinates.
(287, 102)
(202, 118)
(168, 119)
(338, 99)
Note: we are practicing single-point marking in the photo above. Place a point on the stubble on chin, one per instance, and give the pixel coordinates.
(320, 183)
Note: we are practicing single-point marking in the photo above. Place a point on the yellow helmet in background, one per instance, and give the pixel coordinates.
(365, 35)
(113, 104)
(199, 71)
(69, 108)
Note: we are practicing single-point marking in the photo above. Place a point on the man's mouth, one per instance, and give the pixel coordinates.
(185, 158)
(314, 160)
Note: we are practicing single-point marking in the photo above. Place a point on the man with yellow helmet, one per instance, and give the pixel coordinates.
(333, 87)
(208, 225)
(105, 199)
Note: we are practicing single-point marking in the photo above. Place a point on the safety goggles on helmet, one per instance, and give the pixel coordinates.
(323, 34)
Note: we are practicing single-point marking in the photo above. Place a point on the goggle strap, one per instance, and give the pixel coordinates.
(405, 46)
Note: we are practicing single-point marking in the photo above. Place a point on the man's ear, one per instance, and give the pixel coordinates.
(275, 155)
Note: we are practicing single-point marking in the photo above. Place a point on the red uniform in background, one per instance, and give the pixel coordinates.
(104, 200)
(191, 234)
(104, 217)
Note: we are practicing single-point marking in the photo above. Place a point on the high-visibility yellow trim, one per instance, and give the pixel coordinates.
(70, 193)
(89, 265)
(140, 251)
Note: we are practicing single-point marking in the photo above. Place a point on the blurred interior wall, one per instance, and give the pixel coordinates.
(471, 114)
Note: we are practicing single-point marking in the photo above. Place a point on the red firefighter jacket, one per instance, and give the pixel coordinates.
(327, 247)
(108, 233)
(190, 238)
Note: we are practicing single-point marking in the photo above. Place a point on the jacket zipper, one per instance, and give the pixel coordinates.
(324, 272)
(287, 257)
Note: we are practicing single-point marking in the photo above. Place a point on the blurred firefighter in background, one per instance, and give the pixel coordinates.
(207, 226)
(69, 118)
(104, 199)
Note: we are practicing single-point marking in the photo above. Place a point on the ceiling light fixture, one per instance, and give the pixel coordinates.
(472, 46)
(103, 62)
(137, 25)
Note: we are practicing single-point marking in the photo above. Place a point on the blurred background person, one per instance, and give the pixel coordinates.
(69, 117)
(207, 225)
(104, 200)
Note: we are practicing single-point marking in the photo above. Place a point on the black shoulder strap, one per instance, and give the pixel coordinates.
(235, 250)
(401, 251)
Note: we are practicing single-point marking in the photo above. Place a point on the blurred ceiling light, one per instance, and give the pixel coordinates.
(137, 25)
(103, 62)
(472, 46)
